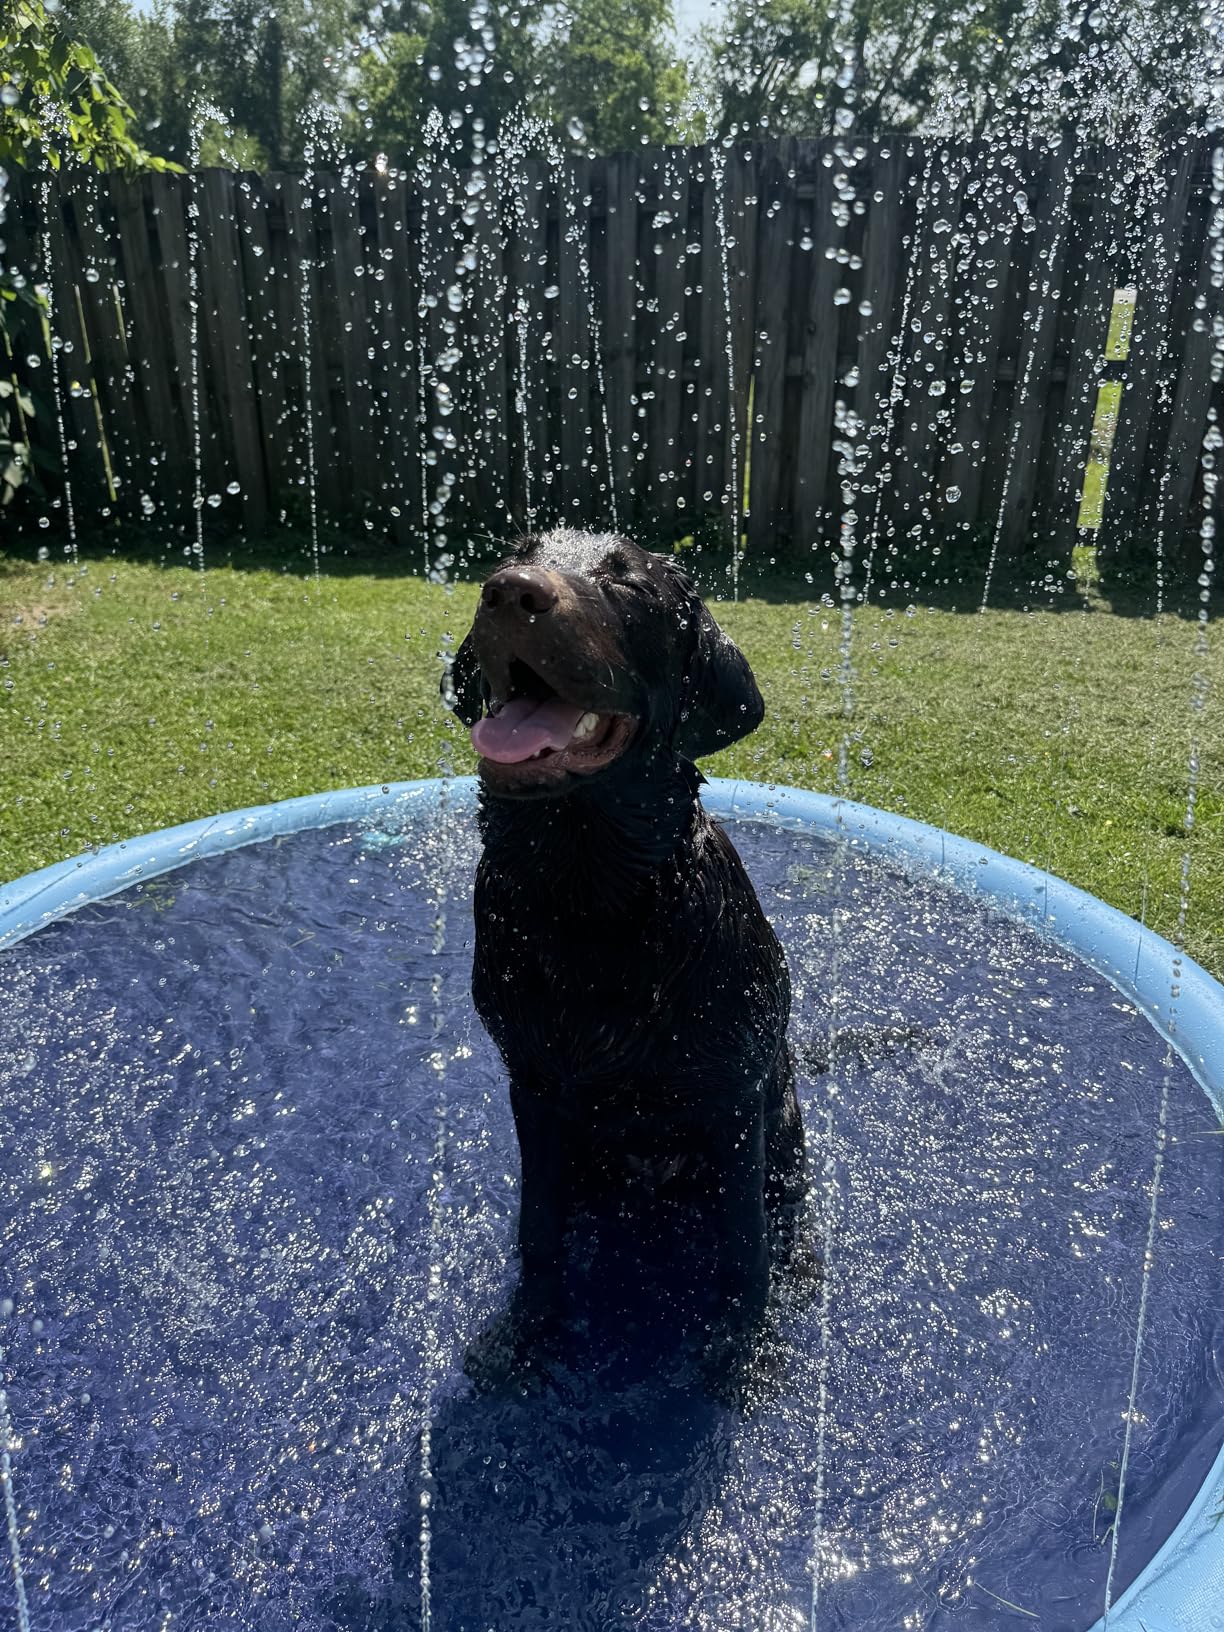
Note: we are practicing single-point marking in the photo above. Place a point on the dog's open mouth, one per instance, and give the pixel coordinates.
(534, 725)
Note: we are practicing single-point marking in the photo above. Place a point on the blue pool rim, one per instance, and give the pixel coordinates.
(1182, 1588)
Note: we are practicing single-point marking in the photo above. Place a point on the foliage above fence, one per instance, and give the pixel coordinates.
(776, 340)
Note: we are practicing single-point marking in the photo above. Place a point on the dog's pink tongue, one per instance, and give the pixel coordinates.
(524, 727)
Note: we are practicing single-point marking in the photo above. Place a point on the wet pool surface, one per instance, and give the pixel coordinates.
(258, 1193)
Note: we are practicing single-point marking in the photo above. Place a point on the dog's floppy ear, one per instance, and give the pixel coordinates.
(461, 684)
(720, 700)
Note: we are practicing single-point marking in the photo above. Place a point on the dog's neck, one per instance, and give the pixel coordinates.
(600, 844)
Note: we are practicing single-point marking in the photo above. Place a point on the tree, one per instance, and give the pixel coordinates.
(611, 65)
(813, 67)
(229, 81)
(449, 54)
(56, 101)
(55, 104)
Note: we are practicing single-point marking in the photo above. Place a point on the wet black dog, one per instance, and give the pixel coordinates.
(623, 965)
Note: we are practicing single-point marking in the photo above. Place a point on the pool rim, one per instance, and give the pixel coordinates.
(1181, 1584)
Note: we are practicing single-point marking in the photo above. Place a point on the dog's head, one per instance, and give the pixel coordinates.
(588, 657)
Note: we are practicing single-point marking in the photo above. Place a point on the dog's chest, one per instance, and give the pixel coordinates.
(662, 1003)
(572, 997)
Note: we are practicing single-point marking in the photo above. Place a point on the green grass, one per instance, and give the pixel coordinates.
(135, 695)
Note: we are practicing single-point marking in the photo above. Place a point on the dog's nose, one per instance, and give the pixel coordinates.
(525, 588)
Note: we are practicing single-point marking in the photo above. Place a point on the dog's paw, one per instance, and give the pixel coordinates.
(724, 1356)
(744, 1369)
(800, 1281)
(516, 1351)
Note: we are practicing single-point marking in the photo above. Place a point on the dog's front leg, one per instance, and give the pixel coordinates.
(743, 1243)
(518, 1342)
(745, 1239)
(543, 1207)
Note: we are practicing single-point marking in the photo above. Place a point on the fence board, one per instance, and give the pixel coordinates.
(103, 331)
(493, 453)
(169, 200)
(620, 334)
(711, 493)
(671, 257)
(89, 478)
(399, 452)
(263, 309)
(1192, 398)
(224, 307)
(743, 169)
(775, 238)
(818, 381)
(1096, 253)
(575, 370)
(1037, 347)
(150, 345)
(923, 407)
(308, 340)
(1156, 277)
(525, 218)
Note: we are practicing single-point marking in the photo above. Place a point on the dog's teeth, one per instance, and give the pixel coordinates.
(585, 726)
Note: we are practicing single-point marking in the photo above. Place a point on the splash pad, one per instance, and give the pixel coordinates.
(262, 1176)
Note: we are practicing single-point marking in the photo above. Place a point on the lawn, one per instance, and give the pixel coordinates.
(135, 695)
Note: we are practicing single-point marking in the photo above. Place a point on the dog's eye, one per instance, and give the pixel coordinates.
(616, 563)
(636, 584)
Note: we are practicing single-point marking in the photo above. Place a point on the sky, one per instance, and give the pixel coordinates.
(690, 14)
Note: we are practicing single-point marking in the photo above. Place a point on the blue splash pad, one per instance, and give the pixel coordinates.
(259, 1192)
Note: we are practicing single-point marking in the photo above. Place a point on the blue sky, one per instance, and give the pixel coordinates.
(690, 14)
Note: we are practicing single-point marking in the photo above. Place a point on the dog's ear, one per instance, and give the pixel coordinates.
(720, 701)
(461, 684)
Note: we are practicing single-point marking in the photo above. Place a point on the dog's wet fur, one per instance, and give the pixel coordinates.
(623, 965)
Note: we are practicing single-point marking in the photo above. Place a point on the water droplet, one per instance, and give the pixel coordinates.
(841, 297)
(233, 487)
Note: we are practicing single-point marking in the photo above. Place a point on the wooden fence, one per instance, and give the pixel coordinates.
(672, 339)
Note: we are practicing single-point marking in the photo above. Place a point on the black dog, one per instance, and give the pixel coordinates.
(623, 965)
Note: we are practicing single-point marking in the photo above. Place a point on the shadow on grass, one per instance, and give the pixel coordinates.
(1124, 583)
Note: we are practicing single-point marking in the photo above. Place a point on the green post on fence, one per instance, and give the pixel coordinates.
(1105, 418)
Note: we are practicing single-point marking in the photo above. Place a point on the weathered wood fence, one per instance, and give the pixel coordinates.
(674, 339)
